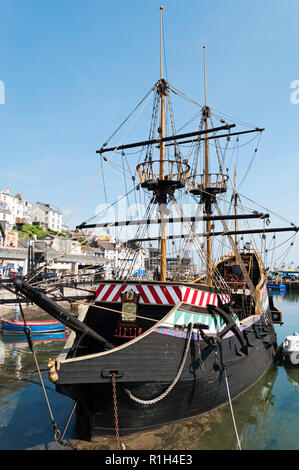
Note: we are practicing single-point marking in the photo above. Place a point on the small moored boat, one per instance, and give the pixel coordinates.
(36, 327)
(290, 348)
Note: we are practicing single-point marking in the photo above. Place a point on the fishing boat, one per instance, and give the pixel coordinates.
(275, 282)
(36, 327)
(171, 345)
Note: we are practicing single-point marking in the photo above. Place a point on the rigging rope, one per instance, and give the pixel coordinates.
(104, 164)
(219, 282)
(250, 163)
(132, 112)
(57, 434)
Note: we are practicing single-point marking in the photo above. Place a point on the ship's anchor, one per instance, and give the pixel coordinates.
(230, 325)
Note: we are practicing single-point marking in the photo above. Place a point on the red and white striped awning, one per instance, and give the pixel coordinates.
(159, 294)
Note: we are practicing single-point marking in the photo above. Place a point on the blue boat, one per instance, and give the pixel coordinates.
(275, 283)
(19, 338)
(276, 287)
(36, 327)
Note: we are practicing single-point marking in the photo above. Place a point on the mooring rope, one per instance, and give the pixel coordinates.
(57, 433)
(168, 390)
(231, 408)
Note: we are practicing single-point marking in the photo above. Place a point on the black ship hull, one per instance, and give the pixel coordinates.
(145, 371)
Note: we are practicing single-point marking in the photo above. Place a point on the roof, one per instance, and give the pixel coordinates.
(47, 207)
(97, 250)
(106, 245)
(87, 249)
(23, 243)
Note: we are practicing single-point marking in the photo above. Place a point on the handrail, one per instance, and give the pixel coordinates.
(146, 171)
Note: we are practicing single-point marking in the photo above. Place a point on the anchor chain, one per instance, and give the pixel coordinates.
(118, 445)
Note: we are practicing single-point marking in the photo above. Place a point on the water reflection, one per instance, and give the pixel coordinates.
(292, 375)
(213, 431)
(290, 294)
(36, 338)
(24, 417)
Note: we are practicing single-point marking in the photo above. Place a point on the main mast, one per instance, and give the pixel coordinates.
(162, 203)
(235, 198)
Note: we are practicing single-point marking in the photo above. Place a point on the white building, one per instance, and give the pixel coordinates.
(7, 203)
(123, 261)
(48, 216)
(5, 213)
(66, 245)
(15, 210)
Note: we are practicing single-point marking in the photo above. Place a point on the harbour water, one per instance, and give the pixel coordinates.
(266, 416)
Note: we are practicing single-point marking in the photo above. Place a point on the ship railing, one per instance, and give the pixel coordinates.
(236, 285)
(176, 171)
(240, 250)
(218, 182)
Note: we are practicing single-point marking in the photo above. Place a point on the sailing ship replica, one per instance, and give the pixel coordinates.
(151, 352)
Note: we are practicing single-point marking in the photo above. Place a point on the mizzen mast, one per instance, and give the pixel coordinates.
(208, 209)
(208, 185)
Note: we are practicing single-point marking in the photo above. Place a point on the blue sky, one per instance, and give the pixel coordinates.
(74, 69)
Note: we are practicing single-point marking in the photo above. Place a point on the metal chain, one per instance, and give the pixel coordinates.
(118, 446)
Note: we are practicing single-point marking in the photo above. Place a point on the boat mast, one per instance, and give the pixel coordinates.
(162, 205)
(207, 180)
(162, 95)
(235, 196)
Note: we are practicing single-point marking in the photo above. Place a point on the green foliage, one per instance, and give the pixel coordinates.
(28, 232)
(34, 230)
